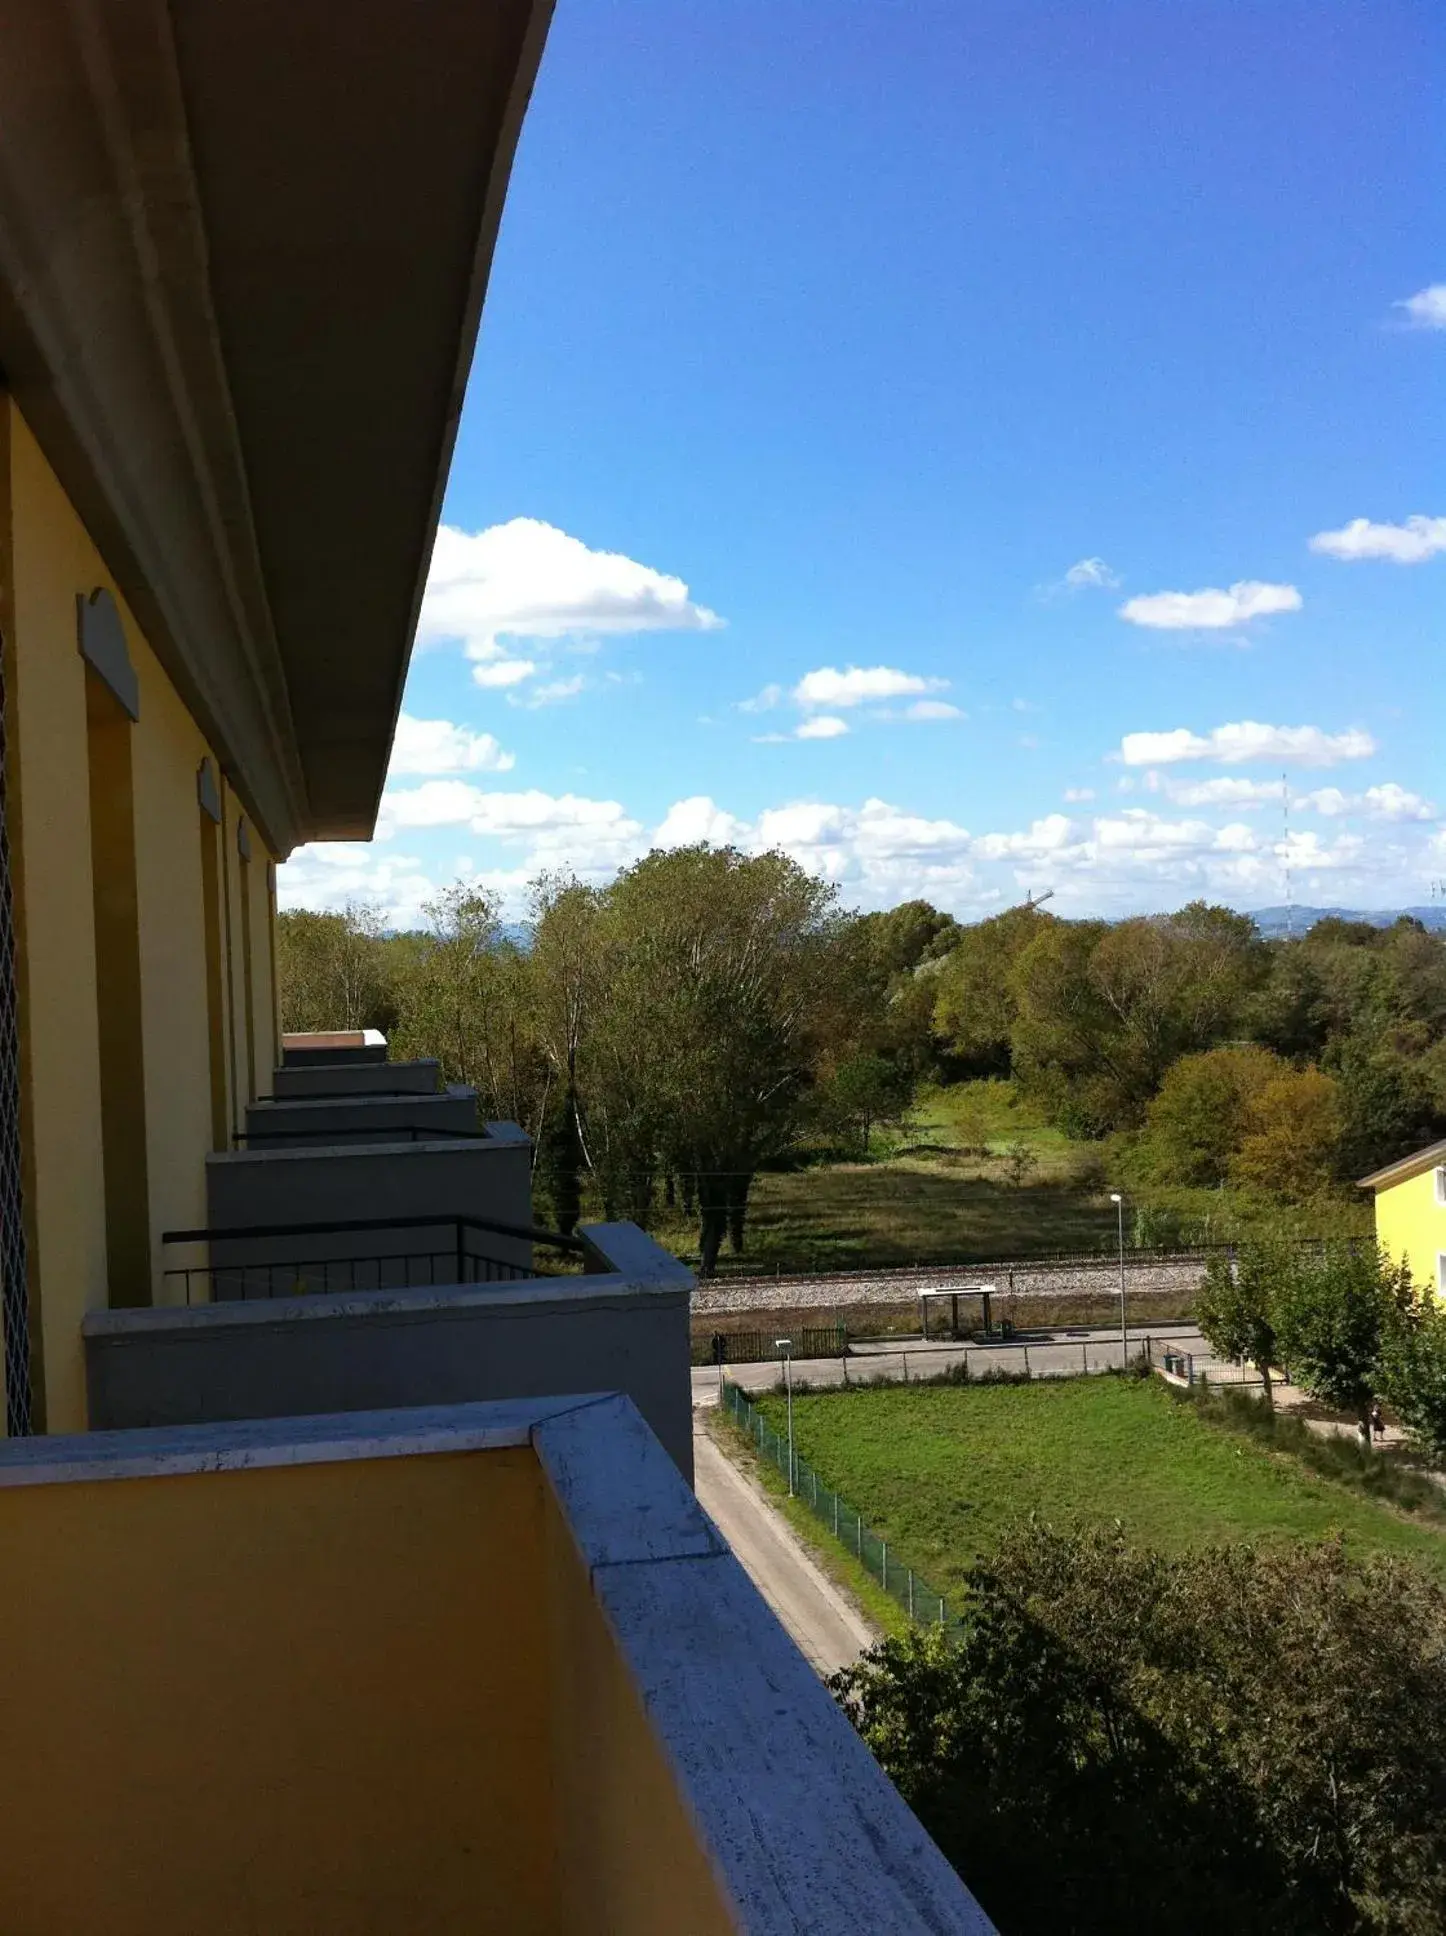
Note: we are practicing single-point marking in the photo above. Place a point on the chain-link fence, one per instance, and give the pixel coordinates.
(920, 1601)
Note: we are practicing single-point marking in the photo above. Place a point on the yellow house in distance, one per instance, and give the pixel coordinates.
(1411, 1212)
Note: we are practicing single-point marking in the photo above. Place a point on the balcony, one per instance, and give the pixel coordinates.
(486, 1669)
(385, 1312)
(365, 1255)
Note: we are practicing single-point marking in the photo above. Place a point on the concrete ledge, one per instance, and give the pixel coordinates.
(351, 1182)
(804, 1830)
(625, 1327)
(346, 1121)
(331, 1079)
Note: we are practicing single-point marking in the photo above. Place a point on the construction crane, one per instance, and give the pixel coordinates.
(1032, 900)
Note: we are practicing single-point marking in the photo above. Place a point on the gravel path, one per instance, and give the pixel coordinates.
(1054, 1278)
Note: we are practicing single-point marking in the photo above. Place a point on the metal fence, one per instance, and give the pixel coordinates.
(762, 1347)
(368, 1254)
(922, 1602)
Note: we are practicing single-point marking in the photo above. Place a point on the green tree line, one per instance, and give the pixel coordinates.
(708, 1013)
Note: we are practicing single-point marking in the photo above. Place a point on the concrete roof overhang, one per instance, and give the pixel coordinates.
(243, 252)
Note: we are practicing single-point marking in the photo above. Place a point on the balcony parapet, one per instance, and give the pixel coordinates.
(696, 1775)
(294, 1121)
(624, 1322)
(331, 1079)
(488, 1176)
(333, 1046)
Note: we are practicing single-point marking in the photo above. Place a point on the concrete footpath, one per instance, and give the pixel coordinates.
(1056, 1354)
(822, 1623)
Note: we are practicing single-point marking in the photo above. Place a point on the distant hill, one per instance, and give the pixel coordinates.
(1275, 922)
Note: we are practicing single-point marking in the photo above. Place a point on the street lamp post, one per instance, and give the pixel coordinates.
(1119, 1202)
(785, 1345)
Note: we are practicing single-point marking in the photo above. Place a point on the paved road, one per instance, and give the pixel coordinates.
(821, 1622)
(1062, 1355)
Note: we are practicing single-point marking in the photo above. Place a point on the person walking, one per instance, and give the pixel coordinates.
(1378, 1423)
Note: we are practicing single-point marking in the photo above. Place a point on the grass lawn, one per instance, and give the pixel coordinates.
(940, 1471)
(946, 1189)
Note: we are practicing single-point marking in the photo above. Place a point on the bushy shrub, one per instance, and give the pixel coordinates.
(1243, 1739)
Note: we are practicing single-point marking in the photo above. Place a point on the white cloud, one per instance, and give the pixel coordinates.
(855, 685)
(527, 580)
(1329, 801)
(437, 746)
(1308, 850)
(553, 693)
(1122, 860)
(1427, 308)
(762, 702)
(1045, 838)
(1217, 793)
(923, 709)
(876, 853)
(822, 726)
(593, 837)
(687, 822)
(1075, 796)
(1091, 572)
(1392, 802)
(331, 873)
(1410, 543)
(503, 672)
(1246, 739)
(1210, 610)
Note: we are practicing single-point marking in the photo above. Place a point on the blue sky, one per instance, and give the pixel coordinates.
(898, 434)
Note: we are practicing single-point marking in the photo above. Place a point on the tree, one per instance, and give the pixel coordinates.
(1195, 1124)
(1242, 1738)
(901, 937)
(1235, 1307)
(448, 1002)
(1387, 1109)
(1103, 1010)
(1020, 1163)
(563, 976)
(727, 976)
(1291, 1135)
(975, 1003)
(331, 968)
(1335, 1311)
(1412, 1372)
(866, 1091)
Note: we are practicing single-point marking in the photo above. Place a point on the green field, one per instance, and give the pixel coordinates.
(947, 1188)
(940, 1471)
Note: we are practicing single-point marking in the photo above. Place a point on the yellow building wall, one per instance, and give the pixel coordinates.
(633, 1858)
(51, 559)
(1410, 1223)
(299, 1700)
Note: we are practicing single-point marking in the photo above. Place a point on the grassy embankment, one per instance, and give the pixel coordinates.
(950, 1188)
(940, 1471)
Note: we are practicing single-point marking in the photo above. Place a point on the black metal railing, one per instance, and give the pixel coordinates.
(375, 1133)
(407, 1253)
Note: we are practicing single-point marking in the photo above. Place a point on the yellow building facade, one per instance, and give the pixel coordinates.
(1411, 1213)
(142, 901)
(222, 458)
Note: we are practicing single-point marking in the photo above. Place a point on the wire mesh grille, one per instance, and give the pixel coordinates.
(14, 1265)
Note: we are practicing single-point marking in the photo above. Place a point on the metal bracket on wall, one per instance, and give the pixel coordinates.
(207, 792)
(102, 641)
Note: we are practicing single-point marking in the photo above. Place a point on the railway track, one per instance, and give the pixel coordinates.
(1019, 1277)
